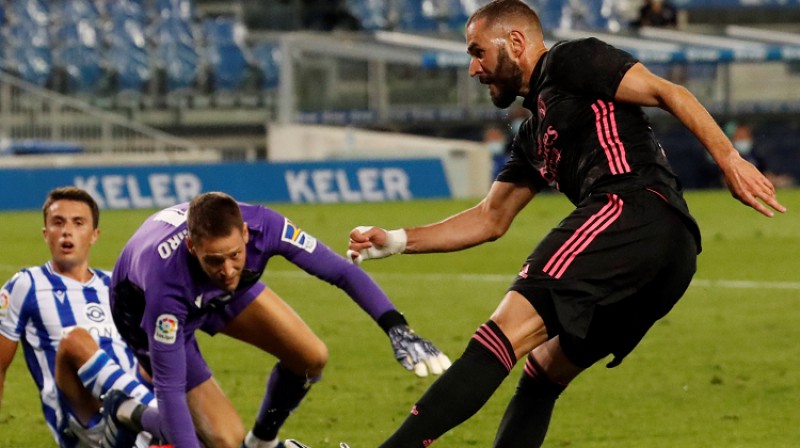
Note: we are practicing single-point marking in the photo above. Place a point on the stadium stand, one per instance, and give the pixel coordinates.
(187, 65)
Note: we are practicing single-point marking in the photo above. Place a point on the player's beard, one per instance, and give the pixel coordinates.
(507, 80)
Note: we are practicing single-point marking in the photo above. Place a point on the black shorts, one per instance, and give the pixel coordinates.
(608, 272)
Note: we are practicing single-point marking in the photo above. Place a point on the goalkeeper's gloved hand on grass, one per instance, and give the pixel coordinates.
(416, 353)
(368, 243)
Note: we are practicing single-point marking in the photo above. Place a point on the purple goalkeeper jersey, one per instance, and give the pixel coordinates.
(160, 296)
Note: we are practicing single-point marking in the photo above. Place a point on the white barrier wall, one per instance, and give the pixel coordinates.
(468, 164)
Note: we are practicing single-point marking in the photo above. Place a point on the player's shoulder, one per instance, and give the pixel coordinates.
(567, 47)
(18, 286)
(260, 219)
(257, 211)
(567, 54)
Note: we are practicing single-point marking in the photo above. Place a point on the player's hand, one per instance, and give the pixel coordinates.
(416, 353)
(373, 242)
(750, 186)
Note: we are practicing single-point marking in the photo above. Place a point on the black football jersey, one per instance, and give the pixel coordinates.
(579, 140)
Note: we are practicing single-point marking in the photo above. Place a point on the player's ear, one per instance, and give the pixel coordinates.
(245, 233)
(516, 43)
(190, 245)
(95, 236)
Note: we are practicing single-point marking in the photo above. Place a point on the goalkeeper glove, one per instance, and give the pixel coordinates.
(416, 353)
(394, 243)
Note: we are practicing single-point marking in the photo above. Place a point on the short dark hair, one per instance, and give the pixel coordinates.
(72, 194)
(213, 215)
(503, 9)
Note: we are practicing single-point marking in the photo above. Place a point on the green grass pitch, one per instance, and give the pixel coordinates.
(721, 370)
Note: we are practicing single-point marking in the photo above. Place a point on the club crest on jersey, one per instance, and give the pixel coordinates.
(298, 237)
(166, 329)
(95, 313)
(3, 302)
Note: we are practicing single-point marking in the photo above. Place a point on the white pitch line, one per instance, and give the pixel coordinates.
(744, 284)
(507, 279)
(503, 278)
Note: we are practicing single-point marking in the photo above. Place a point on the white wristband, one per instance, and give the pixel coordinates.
(396, 241)
(395, 244)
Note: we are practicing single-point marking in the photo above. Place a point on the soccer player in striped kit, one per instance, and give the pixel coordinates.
(60, 312)
(614, 266)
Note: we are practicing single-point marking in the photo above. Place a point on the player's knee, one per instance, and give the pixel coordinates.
(316, 359)
(76, 346)
(311, 361)
(229, 436)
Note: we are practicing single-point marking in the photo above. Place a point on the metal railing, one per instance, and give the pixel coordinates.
(29, 112)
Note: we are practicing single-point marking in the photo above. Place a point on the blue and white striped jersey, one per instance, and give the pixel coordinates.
(38, 306)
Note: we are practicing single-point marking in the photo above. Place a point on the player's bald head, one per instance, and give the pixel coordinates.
(507, 15)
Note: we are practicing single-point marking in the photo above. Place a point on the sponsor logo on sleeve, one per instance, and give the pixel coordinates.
(166, 329)
(298, 237)
(4, 300)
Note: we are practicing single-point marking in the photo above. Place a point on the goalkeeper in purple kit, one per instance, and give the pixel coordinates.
(197, 266)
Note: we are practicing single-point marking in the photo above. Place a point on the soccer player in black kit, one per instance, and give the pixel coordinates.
(599, 280)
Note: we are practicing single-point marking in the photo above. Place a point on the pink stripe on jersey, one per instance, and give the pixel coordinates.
(618, 141)
(494, 344)
(583, 236)
(658, 194)
(608, 136)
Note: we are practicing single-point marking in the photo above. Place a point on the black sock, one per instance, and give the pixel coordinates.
(460, 391)
(528, 414)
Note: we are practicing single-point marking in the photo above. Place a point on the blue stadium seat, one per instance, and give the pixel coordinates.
(180, 9)
(267, 58)
(78, 48)
(174, 30)
(29, 46)
(414, 19)
(372, 15)
(132, 71)
(176, 51)
(180, 65)
(225, 53)
(587, 15)
(220, 30)
(35, 12)
(84, 68)
(28, 34)
(127, 54)
(127, 9)
(550, 12)
(34, 64)
(228, 64)
(457, 14)
(76, 10)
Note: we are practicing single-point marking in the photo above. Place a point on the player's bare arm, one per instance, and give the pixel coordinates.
(7, 350)
(486, 221)
(746, 183)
